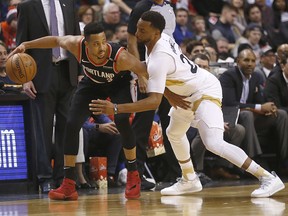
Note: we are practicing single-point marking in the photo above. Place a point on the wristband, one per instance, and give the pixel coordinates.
(115, 109)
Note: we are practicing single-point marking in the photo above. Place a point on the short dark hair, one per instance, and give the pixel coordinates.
(155, 18)
(200, 56)
(191, 45)
(92, 28)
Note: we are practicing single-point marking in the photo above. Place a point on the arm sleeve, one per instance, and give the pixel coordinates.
(157, 73)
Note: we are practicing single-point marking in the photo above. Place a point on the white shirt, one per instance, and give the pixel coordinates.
(60, 19)
(168, 66)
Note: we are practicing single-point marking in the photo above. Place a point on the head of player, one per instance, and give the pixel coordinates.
(95, 40)
(149, 28)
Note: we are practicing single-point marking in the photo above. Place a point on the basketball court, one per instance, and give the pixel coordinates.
(217, 199)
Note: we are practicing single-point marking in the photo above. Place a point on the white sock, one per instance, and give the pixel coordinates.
(256, 170)
(188, 170)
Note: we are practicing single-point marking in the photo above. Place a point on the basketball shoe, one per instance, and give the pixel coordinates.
(268, 186)
(133, 185)
(183, 186)
(66, 191)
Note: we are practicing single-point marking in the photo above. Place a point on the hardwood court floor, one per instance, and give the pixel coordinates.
(227, 200)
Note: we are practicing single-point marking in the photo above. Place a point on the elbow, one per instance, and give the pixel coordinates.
(155, 102)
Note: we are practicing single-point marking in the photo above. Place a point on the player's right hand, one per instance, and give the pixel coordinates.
(20, 49)
(30, 89)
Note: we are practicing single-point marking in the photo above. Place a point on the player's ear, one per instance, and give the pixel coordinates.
(86, 43)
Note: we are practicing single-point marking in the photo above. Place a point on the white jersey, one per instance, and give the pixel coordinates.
(169, 67)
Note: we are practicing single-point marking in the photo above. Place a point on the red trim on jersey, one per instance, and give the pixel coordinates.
(116, 57)
(105, 61)
(80, 50)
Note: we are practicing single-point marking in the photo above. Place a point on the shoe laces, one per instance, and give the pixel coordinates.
(265, 182)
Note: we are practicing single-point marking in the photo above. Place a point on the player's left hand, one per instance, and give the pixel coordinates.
(98, 107)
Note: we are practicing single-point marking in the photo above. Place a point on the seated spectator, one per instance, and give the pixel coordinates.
(242, 87)
(232, 134)
(266, 12)
(251, 36)
(111, 16)
(199, 27)
(8, 29)
(280, 8)
(102, 138)
(280, 51)
(212, 52)
(224, 26)
(240, 20)
(267, 63)
(121, 33)
(86, 14)
(194, 47)
(8, 85)
(253, 15)
(276, 89)
(181, 31)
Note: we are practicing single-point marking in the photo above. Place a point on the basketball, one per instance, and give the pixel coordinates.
(21, 68)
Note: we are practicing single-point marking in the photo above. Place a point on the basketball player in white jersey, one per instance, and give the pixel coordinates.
(168, 67)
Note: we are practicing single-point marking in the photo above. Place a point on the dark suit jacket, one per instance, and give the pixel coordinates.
(276, 90)
(32, 24)
(232, 85)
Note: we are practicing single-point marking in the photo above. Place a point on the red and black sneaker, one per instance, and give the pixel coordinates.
(66, 191)
(133, 185)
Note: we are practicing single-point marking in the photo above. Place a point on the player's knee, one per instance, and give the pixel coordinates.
(215, 146)
(171, 134)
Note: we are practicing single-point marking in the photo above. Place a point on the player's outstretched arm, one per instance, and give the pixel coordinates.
(127, 61)
(106, 107)
(68, 42)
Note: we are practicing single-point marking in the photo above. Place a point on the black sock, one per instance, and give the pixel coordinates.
(131, 165)
(70, 173)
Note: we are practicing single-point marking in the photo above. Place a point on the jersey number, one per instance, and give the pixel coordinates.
(193, 68)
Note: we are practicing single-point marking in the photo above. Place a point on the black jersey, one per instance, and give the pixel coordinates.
(106, 72)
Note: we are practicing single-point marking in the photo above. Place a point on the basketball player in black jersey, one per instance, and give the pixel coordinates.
(106, 66)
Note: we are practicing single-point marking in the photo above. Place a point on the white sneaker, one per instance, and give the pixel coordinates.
(183, 186)
(122, 177)
(268, 186)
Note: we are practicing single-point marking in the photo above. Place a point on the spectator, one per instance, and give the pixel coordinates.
(102, 138)
(276, 89)
(224, 26)
(253, 15)
(121, 33)
(181, 31)
(193, 48)
(280, 8)
(53, 85)
(86, 14)
(111, 16)
(212, 53)
(241, 86)
(199, 27)
(125, 9)
(3, 57)
(8, 29)
(251, 36)
(266, 11)
(267, 63)
(240, 20)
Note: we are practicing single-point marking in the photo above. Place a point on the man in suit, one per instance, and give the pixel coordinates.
(53, 85)
(241, 86)
(276, 89)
